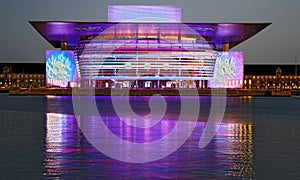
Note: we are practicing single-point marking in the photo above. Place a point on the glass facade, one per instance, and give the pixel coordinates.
(170, 53)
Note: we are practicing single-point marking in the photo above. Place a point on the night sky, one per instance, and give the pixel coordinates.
(277, 44)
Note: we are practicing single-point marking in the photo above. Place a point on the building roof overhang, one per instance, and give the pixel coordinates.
(56, 32)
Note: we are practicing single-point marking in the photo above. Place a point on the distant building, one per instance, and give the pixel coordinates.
(260, 77)
(23, 75)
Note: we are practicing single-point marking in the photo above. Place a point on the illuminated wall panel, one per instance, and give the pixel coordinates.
(60, 68)
(119, 13)
(229, 70)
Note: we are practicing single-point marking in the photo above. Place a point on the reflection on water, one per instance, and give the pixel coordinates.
(259, 138)
(69, 155)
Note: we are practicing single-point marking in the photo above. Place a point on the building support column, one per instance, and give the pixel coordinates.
(225, 46)
(64, 45)
(179, 35)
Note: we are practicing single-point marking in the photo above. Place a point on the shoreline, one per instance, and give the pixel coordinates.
(150, 92)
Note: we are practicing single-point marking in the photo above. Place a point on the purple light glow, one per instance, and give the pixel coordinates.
(67, 152)
(72, 31)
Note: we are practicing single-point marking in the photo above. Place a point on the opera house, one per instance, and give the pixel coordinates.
(145, 47)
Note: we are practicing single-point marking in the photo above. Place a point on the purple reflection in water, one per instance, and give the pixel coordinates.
(140, 106)
(69, 155)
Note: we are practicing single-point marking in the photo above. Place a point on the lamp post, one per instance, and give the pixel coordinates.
(296, 68)
(296, 71)
(6, 77)
(250, 82)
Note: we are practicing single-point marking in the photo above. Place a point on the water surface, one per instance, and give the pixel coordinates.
(40, 138)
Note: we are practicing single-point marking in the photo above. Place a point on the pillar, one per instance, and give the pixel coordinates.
(225, 46)
(64, 45)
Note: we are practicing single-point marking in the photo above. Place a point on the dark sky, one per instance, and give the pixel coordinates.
(279, 43)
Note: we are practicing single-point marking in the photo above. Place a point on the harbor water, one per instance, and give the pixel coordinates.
(259, 138)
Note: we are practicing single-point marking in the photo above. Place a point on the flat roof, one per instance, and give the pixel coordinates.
(56, 32)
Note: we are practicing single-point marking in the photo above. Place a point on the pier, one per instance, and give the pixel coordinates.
(150, 92)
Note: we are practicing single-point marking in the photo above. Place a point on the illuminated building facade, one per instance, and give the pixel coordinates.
(22, 75)
(155, 50)
(278, 80)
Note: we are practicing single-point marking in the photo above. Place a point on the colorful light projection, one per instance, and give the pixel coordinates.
(229, 70)
(60, 68)
(123, 13)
